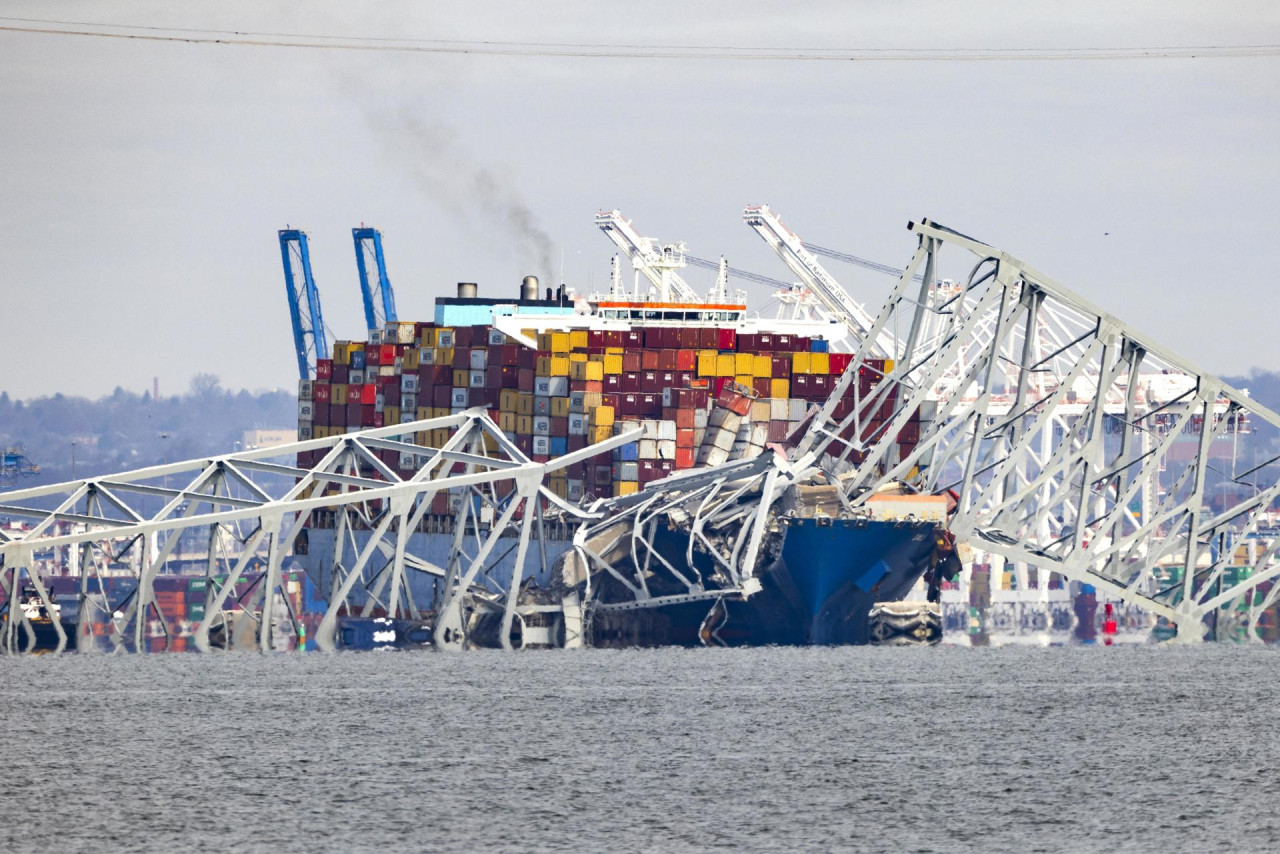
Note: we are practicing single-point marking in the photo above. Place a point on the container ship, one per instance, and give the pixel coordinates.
(707, 385)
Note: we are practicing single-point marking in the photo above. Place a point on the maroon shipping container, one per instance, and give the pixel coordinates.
(631, 362)
(613, 338)
(631, 382)
(651, 405)
(708, 338)
(778, 431)
(595, 338)
(765, 343)
(337, 415)
(650, 382)
(440, 395)
(324, 369)
(369, 416)
(506, 354)
(612, 383)
(667, 360)
(462, 358)
(649, 360)
(653, 337)
(689, 338)
(341, 375)
(486, 397)
(372, 355)
(321, 392)
(632, 339)
(746, 343)
(390, 395)
(576, 443)
(462, 338)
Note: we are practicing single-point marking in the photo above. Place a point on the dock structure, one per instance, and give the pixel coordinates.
(1048, 421)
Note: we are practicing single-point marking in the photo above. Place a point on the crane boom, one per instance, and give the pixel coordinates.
(380, 307)
(309, 339)
(657, 262)
(805, 265)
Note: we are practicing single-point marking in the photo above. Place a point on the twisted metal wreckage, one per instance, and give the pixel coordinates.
(1047, 419)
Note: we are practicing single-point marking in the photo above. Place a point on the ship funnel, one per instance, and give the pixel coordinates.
(467, 290)
(529, 288)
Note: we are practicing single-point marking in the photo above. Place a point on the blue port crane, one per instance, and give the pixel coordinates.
(380, 307)
(309, 338)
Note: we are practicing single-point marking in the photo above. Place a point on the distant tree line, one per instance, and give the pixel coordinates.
(127, 430)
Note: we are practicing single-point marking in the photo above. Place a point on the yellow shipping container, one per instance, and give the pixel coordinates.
(744, 363)
(612, 363)
(763, 366)
(524, 424)
(614, 351)
(411, 360)
(888, 365)
(429, 337)
(707, 363)
(490, 443)
(423, 413)
(819, 363)
(578, 338)
(508, 400)
(338, 394)
(559, 407)
(744, 380)
(524, 405)
(559, 366)
(444, 355)
(725, 365)
(461, 379)
(576, 356)
(559, 342)
(341, 353)
(800, 363)
(390, 415)
(507, 421)
(599, 433)
(543, 366)
(602, 416)
(625, 487)
(559, 485)
(422, 438)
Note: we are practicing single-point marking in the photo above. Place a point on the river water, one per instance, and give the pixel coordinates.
(861, 749)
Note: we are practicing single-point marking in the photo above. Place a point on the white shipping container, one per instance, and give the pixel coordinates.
(628, 471)
(408, 461)
(304, 431)
(356, 377)
(409, 402)
(458, 398)
(541, 425)
(798, 408)
(305, 389)
(477, 379)
(542, 386)
(577, 401)
(779, 409)
(666, 449)
(713, 457)
(760, 410)
(724, 440)
(306, 410)
(574, 490)
(648, 449)
(650, 428)
(667, 432)
(479, 360)
(405, 332)
(559, 386)
(541, 444)
(577, 424)
(496, 338)
(375, 336)
(409, 382)
(407, 416)
(759, 435)
(700, 417)
(426, 355)
(542, 406)
(387, 371)
(444, 338)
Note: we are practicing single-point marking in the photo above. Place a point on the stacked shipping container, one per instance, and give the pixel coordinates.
(702, 396)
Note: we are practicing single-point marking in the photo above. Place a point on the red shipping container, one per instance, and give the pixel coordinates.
(718, 384)
(321, 392)
(389, 354)
(839, 362)
(631, 362)
(648, 360)
(686, 360)
(689, 338)
(684, 458)
(373, 355)
(324, 369)
(761, 386)
(667, 360)
(368, 394)
(684, 436)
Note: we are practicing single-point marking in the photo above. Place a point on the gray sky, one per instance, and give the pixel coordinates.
(144, 182)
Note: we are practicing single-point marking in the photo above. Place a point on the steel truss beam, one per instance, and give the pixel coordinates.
(264, 503)
(1074, 443)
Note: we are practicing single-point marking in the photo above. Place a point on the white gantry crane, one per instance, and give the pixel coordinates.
(820, 283)
(657, 262)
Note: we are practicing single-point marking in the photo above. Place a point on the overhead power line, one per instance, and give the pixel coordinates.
(313, 41)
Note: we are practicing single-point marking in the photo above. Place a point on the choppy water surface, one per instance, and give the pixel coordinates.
(943, 749)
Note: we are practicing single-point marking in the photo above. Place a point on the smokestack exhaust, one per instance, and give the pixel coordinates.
(467, 290)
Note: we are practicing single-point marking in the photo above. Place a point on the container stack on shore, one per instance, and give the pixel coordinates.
(701, 395)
